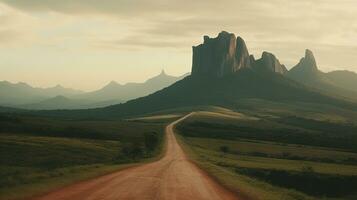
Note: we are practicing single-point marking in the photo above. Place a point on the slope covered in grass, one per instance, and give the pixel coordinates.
(273, 156)
(41, 154)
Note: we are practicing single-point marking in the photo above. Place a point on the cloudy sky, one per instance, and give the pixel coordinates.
(87, 43)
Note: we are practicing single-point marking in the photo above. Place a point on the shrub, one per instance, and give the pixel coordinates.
(151, 141)
(132, 151)
(224, 149)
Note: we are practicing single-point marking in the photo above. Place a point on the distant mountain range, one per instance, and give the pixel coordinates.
(223, 74)
(335, 83)
(122, 93)
(21, 95)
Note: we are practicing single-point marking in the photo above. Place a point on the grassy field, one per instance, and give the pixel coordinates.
(267, 151)
(38, 155)
(264, 157)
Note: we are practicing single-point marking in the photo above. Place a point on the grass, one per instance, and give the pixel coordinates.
(266, 169)
(244, 186)
(219, 158)
(44, 181)
(266, 149)
(38, 155)
(283, 129)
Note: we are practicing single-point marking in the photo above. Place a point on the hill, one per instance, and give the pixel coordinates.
(121, 93)
(58, 102)
(223, 74)
(344, 79)
(13, 94)
(337, 83)
(22, 95)
(227, 92)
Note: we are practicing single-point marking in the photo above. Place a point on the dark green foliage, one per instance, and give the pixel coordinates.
(224, 149)
(267, 146)
(307, 181)
(331, 128)
(151, 141)
(34, 149)
(132, 151)
(328, 137)
(8, 118)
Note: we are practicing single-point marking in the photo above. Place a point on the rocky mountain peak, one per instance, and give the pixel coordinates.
(163, 73)
(268, 62)
(307, 65)
(309, 60)
(58, 86)
(220, 56)
(112, 84)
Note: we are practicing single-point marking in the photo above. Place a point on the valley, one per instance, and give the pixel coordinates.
(236, 127)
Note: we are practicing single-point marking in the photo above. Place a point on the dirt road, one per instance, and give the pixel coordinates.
(171, 178)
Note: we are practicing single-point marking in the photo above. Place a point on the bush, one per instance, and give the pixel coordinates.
(307, 170)
(224, 149)
(151, 141)
(306, 181)
(132, 151)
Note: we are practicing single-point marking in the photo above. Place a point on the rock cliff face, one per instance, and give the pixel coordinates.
(306, 67)
(307, 63)
(227, 54)
(268, 62)
(220, 56)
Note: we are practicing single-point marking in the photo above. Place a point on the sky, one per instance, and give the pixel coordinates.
(85, 44)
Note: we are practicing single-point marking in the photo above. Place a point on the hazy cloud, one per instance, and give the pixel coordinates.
(284, 27)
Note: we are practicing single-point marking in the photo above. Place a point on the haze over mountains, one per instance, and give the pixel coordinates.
(223, 73)
(21, 95)
(121, 93)
(337, 83)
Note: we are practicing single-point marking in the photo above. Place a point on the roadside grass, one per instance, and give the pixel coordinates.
(48, 180)
(154, 118)
(245, 148)
(281, 129)
(39, 155)
(316, 111)
(279, 166)
(244, 186)
(241, 173)
(231, 160)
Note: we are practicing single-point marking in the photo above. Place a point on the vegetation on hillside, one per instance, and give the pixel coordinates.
(273, 157)
(38, 154)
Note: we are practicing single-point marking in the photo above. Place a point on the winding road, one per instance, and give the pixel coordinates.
(173, 177)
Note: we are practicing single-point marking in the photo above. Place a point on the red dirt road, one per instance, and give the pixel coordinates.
(173, 177)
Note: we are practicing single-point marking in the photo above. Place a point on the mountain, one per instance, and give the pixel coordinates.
(268, 63)
(307, 73)
(121, 93)
(220, 56)
(58, 90)
(22, 95)
(221, 76)
(344, 79)
(64, 103)
(13, 94)
(227, 54)
(58, 102)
